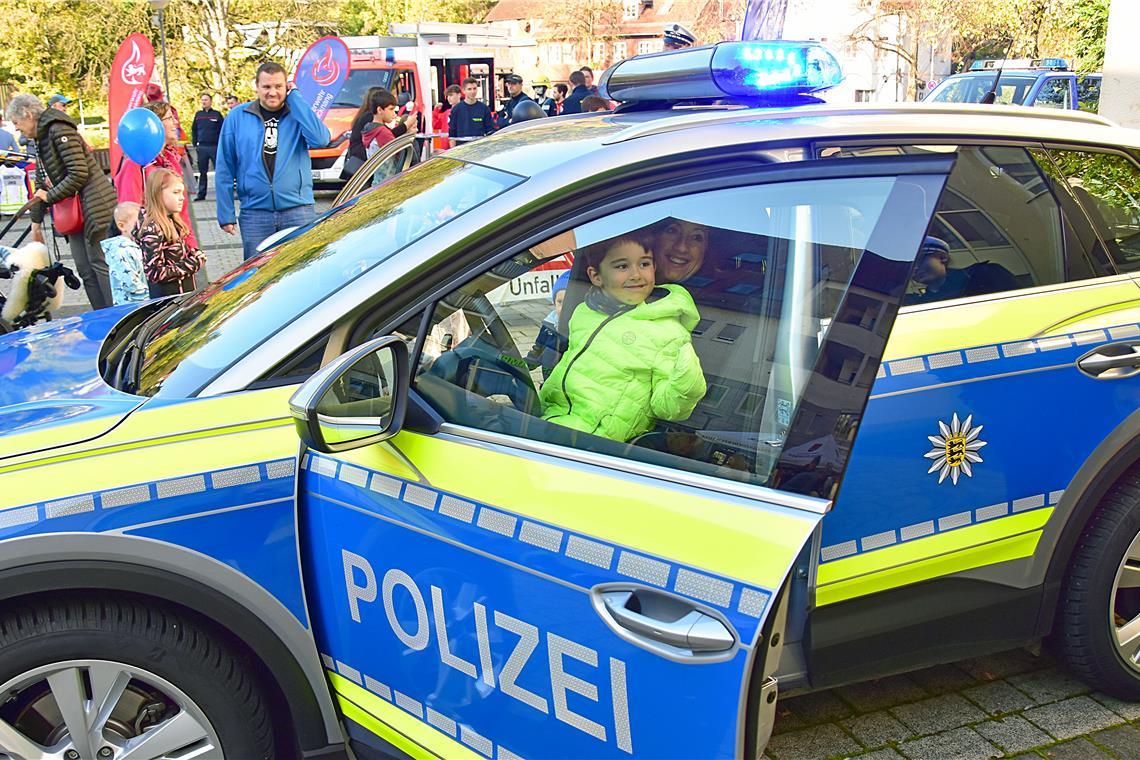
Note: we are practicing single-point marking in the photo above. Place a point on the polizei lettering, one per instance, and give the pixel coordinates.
(363, 588)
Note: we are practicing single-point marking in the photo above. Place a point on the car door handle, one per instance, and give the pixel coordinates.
(1104, 362)
(686, 627)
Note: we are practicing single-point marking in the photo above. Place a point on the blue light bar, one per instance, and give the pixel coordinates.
(756, 73)
(774, 67)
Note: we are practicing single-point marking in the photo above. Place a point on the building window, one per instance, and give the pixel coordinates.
(864, 96)
(599, 53)
(554, 53)
(619, 51)
(648, 46)
(630, 9)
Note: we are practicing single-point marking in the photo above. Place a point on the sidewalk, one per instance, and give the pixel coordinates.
(1013, 704)
(223, 252)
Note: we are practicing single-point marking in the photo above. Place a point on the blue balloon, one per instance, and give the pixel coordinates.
(141, 135)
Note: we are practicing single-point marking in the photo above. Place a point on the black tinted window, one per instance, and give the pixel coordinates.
(997, 228)
(1107, 185)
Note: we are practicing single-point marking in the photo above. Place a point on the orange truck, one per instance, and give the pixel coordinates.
(417, 68)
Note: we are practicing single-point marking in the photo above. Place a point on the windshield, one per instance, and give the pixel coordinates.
(972, 88)
(359, 82)
(212, 329)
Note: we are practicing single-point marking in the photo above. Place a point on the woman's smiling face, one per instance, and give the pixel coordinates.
(680, 250)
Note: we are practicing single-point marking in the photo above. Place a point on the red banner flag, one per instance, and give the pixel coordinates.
(130, 73)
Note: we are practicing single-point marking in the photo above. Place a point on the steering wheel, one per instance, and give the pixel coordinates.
(482, 369)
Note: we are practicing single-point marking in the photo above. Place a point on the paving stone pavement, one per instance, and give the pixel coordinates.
(1014, 704)
(223, 252)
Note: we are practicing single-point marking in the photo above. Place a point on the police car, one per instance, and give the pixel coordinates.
(1041, 82)
(320, 496)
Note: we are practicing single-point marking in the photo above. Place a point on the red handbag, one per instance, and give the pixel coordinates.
(67, 215)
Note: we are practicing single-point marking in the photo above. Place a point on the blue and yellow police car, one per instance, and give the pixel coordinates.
(1040, 82)
(325, 501)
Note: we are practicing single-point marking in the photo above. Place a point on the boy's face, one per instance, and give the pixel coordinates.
(386, 114)
(559, 298)
(471, 92)
(625, 274)
(453, 97)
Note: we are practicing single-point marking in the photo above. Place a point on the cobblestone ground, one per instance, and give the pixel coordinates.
(1014, 704)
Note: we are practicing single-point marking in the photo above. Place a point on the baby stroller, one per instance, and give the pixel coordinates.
(36, 289)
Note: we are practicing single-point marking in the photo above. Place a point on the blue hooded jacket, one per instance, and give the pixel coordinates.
(239, 155)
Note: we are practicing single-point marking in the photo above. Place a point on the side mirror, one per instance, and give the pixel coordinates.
(358, 399)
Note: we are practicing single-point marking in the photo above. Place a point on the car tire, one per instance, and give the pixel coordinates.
(1094, 605)
(177, 671)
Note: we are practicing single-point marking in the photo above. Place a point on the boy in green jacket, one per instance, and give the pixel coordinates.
(630, 360)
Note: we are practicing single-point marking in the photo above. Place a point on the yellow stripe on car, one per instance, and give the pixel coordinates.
(410, 734)
(998, 540)
(749, 541)
(1018, 316)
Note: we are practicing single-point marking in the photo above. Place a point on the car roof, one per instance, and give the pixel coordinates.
(610, 140)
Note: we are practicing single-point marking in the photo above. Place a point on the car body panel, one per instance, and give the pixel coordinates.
(52, 384)
(215, 477)
(531, 553)
(981, 357)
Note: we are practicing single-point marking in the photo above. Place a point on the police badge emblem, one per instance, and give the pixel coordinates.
(955, 449)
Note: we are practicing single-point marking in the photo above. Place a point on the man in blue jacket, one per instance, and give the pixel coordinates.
(265, 146)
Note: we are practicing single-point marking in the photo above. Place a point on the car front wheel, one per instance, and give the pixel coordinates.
(99, 679)
(1098, 626)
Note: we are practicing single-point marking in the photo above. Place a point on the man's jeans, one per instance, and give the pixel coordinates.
(258, 224)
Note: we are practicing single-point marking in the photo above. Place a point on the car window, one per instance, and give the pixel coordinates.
(1088, 93)
(997, 228)
(358, 83)
(1107, 185)
(211, 329)
(972, 88)
(567, 343)
(1055, 92)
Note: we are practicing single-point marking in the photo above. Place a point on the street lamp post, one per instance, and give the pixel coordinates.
(160, 7)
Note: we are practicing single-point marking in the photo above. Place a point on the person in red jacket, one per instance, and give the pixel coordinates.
(130, 176)
(441, 114)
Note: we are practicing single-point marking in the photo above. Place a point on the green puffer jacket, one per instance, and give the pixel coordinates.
(623, 372)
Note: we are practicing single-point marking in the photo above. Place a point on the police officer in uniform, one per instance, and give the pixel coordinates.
(514, 84)
(677, 37)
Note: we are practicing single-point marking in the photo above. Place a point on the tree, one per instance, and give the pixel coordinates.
(65, 46)
(583, 23)
(1089, 22)
(723, 19)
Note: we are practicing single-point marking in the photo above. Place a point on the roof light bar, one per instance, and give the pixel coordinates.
(1019, 63)
(753, 71)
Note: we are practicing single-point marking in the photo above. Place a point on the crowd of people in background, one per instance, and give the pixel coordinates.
(135, 238)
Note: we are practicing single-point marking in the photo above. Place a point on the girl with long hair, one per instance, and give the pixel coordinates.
(170, 260)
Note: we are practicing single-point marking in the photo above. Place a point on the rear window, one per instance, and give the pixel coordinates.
(215, 327)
